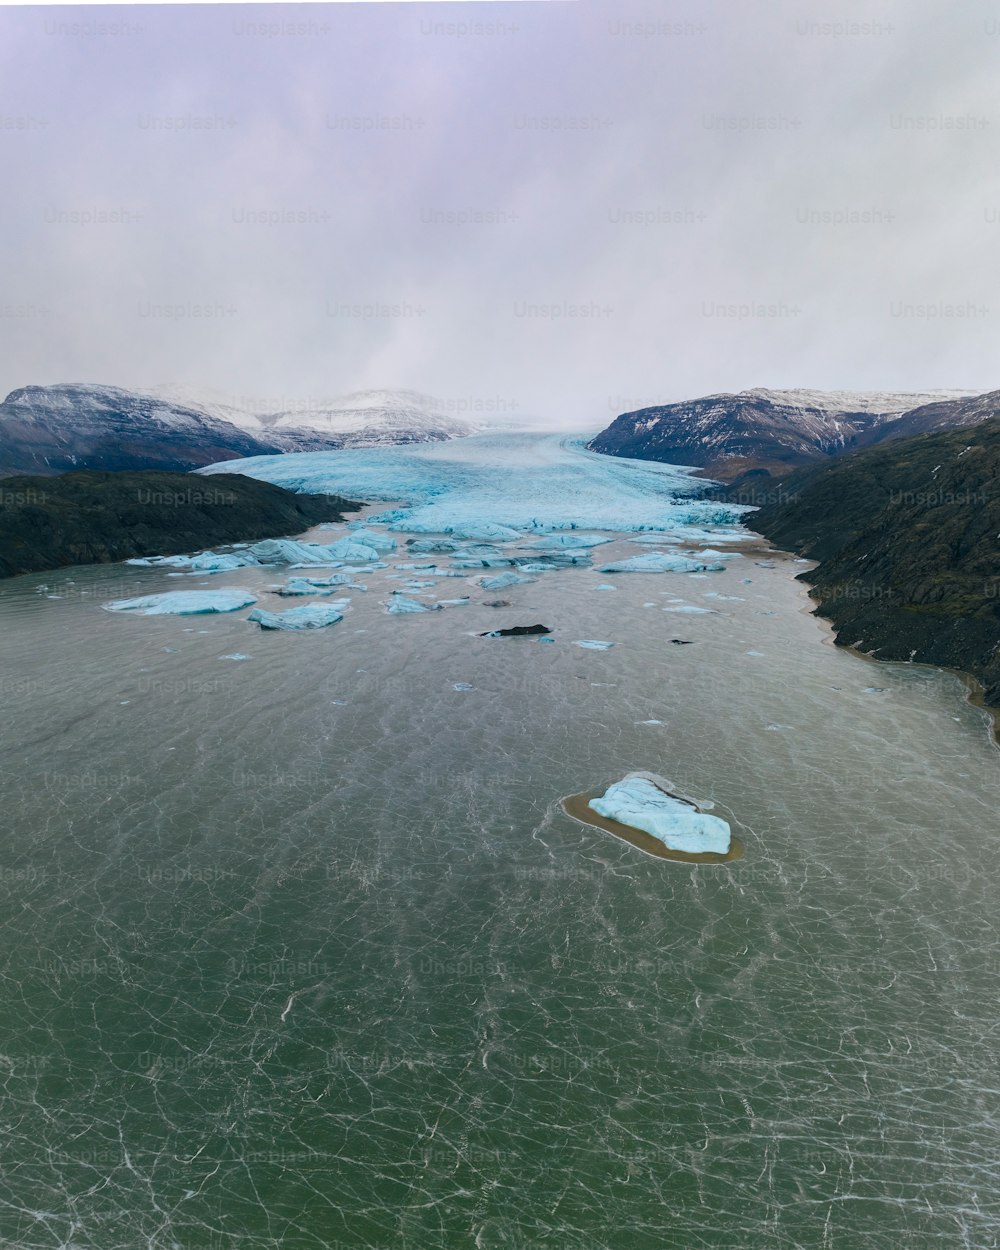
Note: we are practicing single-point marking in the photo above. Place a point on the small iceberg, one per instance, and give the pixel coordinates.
(560, 542)
(660, 562)
(308, 616)
(605, 586)
(637, 801)
(592, 644)
(236, 655)
(185, 602)
(399, 604)
(689, 608)
(371, 538)
(504, 579)
(288, 551)
(204, 562)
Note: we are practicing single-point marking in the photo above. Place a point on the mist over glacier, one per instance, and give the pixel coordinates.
(520, 480)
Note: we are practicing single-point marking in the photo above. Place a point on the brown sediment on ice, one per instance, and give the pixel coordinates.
(578, 807)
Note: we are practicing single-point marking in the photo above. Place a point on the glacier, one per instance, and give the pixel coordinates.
(504, 487)
(638, 802)
(185, 602)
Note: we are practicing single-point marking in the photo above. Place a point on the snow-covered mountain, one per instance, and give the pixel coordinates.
(761, 429)
(50, 429)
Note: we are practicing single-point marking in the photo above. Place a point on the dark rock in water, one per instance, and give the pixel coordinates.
(516, 631)
(97, 518)
(496, 603)
(682, 642)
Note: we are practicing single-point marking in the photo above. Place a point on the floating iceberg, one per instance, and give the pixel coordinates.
(452, 603)
(288, 551)
(236, 655)
(591, 644)
(204, 562)
(639, 803)
(399, 605)
(605, 586)
(372, 538)
(560, 542)
(659, 562)
(302, 586)
(504, 579)
(308, 616)
(432, 546)
(688, 608)
(186, 602)
(352, 548)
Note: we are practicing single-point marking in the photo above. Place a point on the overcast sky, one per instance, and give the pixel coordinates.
(569, 210)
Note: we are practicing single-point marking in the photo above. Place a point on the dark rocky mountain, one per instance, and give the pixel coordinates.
(758, 431)
(97, 518)
(906, 535)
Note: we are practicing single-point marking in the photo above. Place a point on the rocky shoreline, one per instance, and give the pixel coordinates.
(905, 540)
(103, 517)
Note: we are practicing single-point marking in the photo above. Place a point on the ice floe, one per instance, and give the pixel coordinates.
(308, 616)
(504, 579)
(204, 562)
(399, 605)
(185, 602)
(659, 562)
(592, 644)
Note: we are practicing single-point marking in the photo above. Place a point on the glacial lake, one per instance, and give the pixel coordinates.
(302, 952)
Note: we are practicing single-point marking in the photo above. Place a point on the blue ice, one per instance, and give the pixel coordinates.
(638, 802)
(399, 604)
(658, 562)
(308, 616)
(186, 602)
(204, 562)
(503, 486)
(504, 579)
(592, 644)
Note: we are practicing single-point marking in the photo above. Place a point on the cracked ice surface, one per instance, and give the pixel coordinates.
(498, 487)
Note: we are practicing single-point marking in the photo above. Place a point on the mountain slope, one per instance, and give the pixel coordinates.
(757, 431)
(96, 518)
(51, 429)
(906, 538)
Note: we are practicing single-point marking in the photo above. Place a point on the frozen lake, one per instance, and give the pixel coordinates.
(302, 951)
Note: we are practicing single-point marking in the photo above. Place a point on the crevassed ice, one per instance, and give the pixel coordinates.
(499, 487)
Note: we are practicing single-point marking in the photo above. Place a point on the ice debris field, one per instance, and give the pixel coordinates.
(497, 510)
